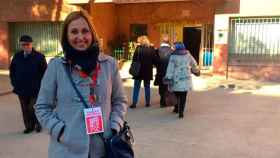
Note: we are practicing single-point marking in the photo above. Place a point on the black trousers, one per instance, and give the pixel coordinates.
(181, 97)
(28, 113)
(162, 88)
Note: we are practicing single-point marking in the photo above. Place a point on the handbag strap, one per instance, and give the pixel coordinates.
(68, 72)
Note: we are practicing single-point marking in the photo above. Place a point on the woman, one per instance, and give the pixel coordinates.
(61, 111)
(163, 55)
(178, 75)
(145, 54)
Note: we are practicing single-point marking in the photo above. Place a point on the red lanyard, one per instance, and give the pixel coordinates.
(96, 72)
(95, 75)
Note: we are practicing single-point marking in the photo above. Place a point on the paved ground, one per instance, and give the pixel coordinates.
(220, 122)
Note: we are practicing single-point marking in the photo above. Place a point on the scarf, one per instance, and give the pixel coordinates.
(86, 59)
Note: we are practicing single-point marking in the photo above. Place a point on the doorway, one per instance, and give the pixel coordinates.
(192, 40)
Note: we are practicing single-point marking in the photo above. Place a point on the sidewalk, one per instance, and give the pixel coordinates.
(208, 82)
(219, 122)
(223, 119)
(202, 83)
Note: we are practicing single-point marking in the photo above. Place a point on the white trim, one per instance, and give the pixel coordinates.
(77, 1)
(147, 1)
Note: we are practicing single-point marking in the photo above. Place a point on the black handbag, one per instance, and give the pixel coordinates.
(170, 98)
(135, 66)
(120, 145)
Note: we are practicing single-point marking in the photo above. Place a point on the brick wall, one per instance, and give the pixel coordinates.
(229, 7)
(220, 58)
(153, 13)
(27, 11)
(105, 21)
(4, 47)
(262, 73)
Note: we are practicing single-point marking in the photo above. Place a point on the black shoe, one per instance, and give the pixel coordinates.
(181, 115)
(162, 103)
(175, 110)
(26, 131)
(38, 128)
(148, 105)
(132, 106)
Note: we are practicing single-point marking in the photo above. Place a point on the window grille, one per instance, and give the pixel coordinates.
(254, 40)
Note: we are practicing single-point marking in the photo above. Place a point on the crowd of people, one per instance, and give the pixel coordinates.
(80, 99)
(174, 65)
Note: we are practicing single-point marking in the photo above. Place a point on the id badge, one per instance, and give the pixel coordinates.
(93, 120)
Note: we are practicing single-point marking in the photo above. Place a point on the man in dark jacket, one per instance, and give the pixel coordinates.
(163, 54)
(26, 71)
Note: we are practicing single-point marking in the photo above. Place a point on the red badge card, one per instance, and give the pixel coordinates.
(93, 120)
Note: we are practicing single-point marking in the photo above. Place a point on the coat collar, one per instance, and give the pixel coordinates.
(102, 57)
(31, 53)
(180, 52)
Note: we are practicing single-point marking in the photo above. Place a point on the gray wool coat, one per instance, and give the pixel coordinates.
(59, 106)
(179, 71)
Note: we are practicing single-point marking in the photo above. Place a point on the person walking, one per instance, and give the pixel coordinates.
(178, 75)
(163, 54)
(79, 119)
(145, 55)
(26, 71)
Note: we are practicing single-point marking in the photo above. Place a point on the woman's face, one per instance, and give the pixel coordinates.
(79, 34)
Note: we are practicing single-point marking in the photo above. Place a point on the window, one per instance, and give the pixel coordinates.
(46, 36)
(137, 30)
(254, 40)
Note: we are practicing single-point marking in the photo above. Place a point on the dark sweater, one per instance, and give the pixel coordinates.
(146, 56)
(162, 60)
(26, 73)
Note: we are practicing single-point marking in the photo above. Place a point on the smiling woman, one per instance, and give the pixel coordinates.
(79, 34)
(80, 41)
(81, 94)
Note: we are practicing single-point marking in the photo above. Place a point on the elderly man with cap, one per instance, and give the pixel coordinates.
(26, 71)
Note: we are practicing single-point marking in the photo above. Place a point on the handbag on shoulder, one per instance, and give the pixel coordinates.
(134, 69)
(135, 66)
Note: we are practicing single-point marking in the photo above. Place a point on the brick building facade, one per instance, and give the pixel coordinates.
(24, 11)
(211, 24)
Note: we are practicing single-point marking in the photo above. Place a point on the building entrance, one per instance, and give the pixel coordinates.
(192, 40)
